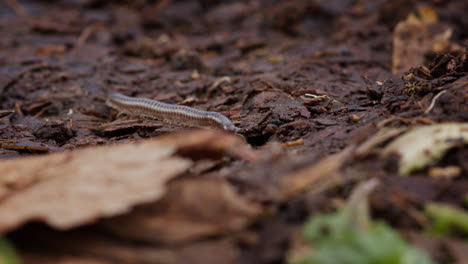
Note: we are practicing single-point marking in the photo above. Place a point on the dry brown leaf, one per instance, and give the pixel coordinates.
(192, 209)
(416, 36)
(318, 176)
(211, 144)
(66, 190)
(81, 186)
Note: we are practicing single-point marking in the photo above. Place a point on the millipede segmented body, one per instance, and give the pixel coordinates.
(168, 113)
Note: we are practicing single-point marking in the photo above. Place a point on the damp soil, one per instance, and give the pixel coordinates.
(301, 79)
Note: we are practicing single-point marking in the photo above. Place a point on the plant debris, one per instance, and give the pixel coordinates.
(8, 254)
(424, 145)
(349, 236)
(70, 189)
(323, 93)
(447, 219)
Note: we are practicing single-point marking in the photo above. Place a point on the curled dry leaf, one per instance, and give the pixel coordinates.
(192, 209)
(66, 190)
(424, 145)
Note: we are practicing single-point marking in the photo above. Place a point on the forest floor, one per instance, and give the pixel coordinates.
(319, 89)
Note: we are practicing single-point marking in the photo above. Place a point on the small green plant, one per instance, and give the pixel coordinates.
(350, 237)
(447, 219)
(7, 253)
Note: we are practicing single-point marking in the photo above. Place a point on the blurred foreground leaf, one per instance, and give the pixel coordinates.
(7, 253)
(447, 219)
(425, 145)
(350, 237)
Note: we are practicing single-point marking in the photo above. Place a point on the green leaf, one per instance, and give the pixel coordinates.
(447, 219)
(7, 253)
(349, 236)
(378, 245)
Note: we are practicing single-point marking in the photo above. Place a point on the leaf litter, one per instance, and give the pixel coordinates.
(350, 236)
(73, 188)
(70, 189)
(424, 145)
(318, 102)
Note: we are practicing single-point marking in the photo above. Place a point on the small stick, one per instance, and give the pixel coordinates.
(434, 101)
(179, 115)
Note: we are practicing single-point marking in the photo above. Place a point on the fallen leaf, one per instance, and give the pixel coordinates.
(351, 230)
(193, 208)
(447, 219)
(81, 186)
(8, 254)
(210, 144)
(416, 36)
(424, 145)
(321, 174)
(69, 189)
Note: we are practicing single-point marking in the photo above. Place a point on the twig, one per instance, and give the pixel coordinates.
(429, 109)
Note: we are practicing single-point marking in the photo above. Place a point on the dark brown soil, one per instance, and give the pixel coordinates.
(59, 60)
